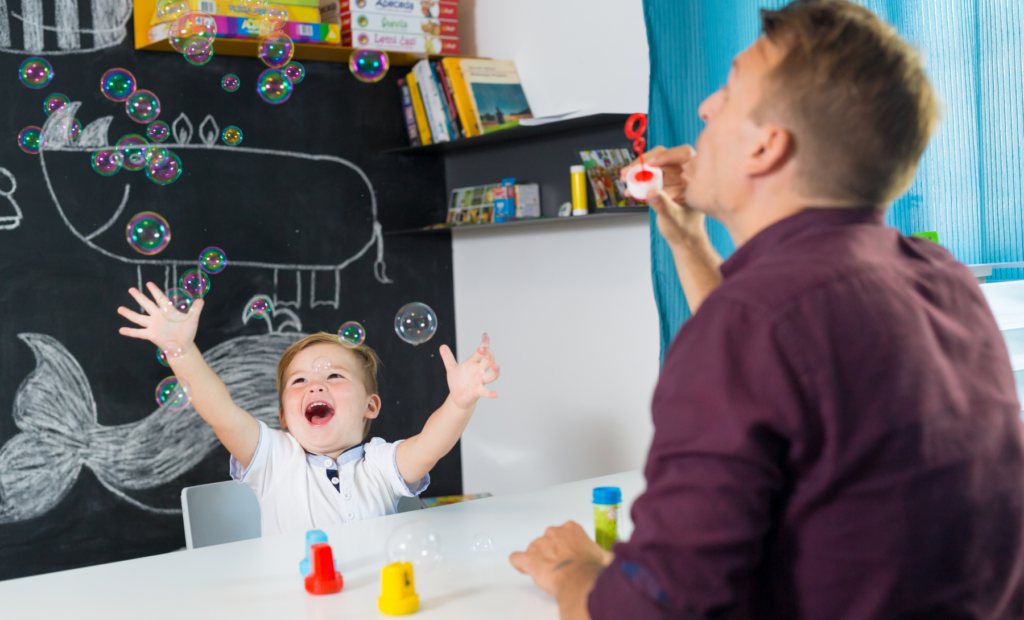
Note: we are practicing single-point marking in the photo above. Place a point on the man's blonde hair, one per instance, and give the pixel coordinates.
(368, 362)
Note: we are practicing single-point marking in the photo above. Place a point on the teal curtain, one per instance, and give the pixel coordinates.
(969, 187)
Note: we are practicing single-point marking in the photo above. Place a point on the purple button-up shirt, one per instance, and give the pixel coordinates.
(837, 436)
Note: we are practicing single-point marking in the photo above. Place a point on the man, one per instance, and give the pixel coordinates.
(837, 434)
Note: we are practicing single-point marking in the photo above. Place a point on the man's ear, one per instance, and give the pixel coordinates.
(772, 150)
(372, 407)
(280, 415)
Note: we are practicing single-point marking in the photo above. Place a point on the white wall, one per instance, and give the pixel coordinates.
(570, 54)
(569, 307)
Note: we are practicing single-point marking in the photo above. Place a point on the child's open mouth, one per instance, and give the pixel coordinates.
(319, 413)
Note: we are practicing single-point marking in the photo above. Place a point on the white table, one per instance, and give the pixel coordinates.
(259, 579)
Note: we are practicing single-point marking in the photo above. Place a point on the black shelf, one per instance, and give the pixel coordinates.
(609, 213)
(517, 133)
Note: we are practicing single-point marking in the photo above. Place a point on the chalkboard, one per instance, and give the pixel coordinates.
(91, 470)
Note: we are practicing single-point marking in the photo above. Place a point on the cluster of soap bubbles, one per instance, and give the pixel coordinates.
(37, 73)
(369, 65)
(189, 33)
(415, 323)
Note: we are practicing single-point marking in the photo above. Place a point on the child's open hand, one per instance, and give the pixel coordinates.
(467, 381)
(155, 327)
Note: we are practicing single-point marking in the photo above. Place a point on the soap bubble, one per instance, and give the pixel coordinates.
(274, 18)
(35, 72)
(276, 50)
(132, 148)
(213, 260)
(55, 103)
(232, 136)
(148, 233)
(158, 131)
(31, 139)
(175, 305)
(106, 162)
(156, 155)
(274, 86)
(415, 323)
(295, 72)
(415, 543)
(198, 50)
(196, 24)
(230, 82)
(173, 393)
(323, 366)
(117, 84)
(482, 544)
(68, 130)
(352, 334)
(160, 357)
(169, 11)
(195, 283)
(254, 7)
(164, 170)
(259, 307)
(369, 65)
(170, 350)
(143, 106)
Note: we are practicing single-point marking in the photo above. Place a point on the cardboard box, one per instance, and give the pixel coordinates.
(377, 22)
(413, 43)
(429, 9)
(527, 200)
(240, 28)
(234, 8)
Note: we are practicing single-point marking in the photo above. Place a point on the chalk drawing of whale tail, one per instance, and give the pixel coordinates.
(56, 412)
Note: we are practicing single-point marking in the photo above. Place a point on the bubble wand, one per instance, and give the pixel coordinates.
(643, 178)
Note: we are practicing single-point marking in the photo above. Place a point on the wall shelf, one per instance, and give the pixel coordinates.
(143, 13)
(608, 214)
(521, 132)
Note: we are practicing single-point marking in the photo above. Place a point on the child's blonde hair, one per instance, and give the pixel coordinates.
(367, 357)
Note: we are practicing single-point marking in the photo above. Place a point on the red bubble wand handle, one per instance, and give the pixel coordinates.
(640, 180)
(636, 127)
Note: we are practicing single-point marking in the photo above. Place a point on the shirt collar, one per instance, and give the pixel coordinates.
(325, 462)
(805, 221)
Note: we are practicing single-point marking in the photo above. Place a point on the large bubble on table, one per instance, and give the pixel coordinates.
(415, 543)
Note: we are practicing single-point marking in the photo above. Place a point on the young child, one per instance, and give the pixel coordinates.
(316, 471)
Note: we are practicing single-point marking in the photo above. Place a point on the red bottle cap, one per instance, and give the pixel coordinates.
(324, 579)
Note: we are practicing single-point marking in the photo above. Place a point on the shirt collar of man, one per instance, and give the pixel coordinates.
(805, 221)
(325, 462)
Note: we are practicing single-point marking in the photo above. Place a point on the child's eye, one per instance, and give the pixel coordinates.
(335, 375)
(298, 381)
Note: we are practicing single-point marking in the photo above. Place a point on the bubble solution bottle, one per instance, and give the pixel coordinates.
(606, 514)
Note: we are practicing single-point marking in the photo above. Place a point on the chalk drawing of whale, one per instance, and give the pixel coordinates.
(56, 413)
(360, 211)
(109, 26)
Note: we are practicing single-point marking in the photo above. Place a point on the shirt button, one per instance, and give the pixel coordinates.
(348, 496)
(350, 515)
(327, 463)
(334, 480)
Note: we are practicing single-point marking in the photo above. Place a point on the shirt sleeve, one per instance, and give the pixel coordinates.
(272, 450)
(728, 403)
(380, 456)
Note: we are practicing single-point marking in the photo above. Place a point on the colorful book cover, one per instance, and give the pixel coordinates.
(449, 101)
(244, 28)
(462, 103)
(375, 22)
(436, 9)
(432, 101)
(472, 205)
(603, 168)
(417, 107)
(235, 8)
(499, 101)
(410, 43)
(408, 113)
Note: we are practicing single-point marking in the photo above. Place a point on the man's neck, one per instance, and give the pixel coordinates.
(746, 221)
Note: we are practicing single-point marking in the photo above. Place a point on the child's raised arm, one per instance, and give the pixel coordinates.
(467, 382)
(236, 429)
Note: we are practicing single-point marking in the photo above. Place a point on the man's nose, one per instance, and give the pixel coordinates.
(708, 107)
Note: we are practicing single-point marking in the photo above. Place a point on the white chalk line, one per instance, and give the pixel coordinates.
(117, 214)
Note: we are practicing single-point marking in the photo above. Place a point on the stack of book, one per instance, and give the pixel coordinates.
(456, 98)
(416, 26)
(234, 20)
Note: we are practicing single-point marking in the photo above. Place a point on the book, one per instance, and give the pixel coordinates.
(417, 107)
(247, 28)
(374, 22)
(463, 105)
(436, 116)
(234, 8)
(472, 205)
(498, 99)
(390, 42)
(436, 9)
(505, 200)
(603, 167)
(449, 102)
(409, 113)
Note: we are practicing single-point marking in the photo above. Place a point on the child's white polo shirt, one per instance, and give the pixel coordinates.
(298, 491)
